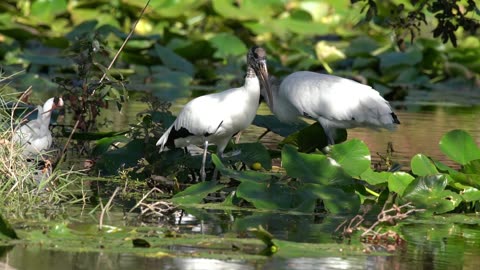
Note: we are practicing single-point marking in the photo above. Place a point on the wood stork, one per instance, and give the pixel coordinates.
(215, 118)
(34, 136)
(333, 101)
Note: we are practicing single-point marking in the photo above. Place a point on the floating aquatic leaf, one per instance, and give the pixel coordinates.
(470, 194)
(422, 165)
(313, 168)
(196, 193)
(353, 156)
(459, 146)
(428, 192)
(375, 178)
(398, 182)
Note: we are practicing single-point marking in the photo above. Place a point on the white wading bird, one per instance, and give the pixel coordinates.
(215, 118)
(333, 101)
(34, 136)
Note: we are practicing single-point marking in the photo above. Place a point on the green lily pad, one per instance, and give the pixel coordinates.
(104, 144)
(471, 194)
(195, 193)
(399, 181)
(428, 192)
(375, 178)
(353, 156)
(313, 168)
(473, 167)
(466, 179)
(422, 165)
(459, 146)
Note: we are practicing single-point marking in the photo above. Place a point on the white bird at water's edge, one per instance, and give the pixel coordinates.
(35, 136)
(333, 101)
(215, 118)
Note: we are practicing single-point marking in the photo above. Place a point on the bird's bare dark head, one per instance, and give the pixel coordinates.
(257, 60)
(256, 53)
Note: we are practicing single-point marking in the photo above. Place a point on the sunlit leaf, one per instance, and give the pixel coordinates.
(471, 194)
(398, 182)
(46, 10)
(429, 193)
(353, 156)
(104, 144)
(459, 146)
(196, 193)
(422, 165)
(313, 168)
(375, 178)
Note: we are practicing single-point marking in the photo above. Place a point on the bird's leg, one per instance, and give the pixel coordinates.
(330, 134)
(237, 137)
(203, 175)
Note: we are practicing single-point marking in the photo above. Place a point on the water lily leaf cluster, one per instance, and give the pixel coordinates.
(341, 178)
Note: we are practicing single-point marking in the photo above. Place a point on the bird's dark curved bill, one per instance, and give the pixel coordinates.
(263, 73)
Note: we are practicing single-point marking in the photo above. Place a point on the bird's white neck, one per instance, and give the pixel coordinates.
(251, 81)
(46, 112)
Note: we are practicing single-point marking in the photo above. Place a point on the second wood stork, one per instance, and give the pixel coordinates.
(215, 118)
(333, 101)
(35, 136)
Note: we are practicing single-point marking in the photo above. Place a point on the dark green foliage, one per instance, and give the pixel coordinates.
(450, 15)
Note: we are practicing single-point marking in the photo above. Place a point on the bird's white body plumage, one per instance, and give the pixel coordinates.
(35, 136)
(216, 117)
(333, 101)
